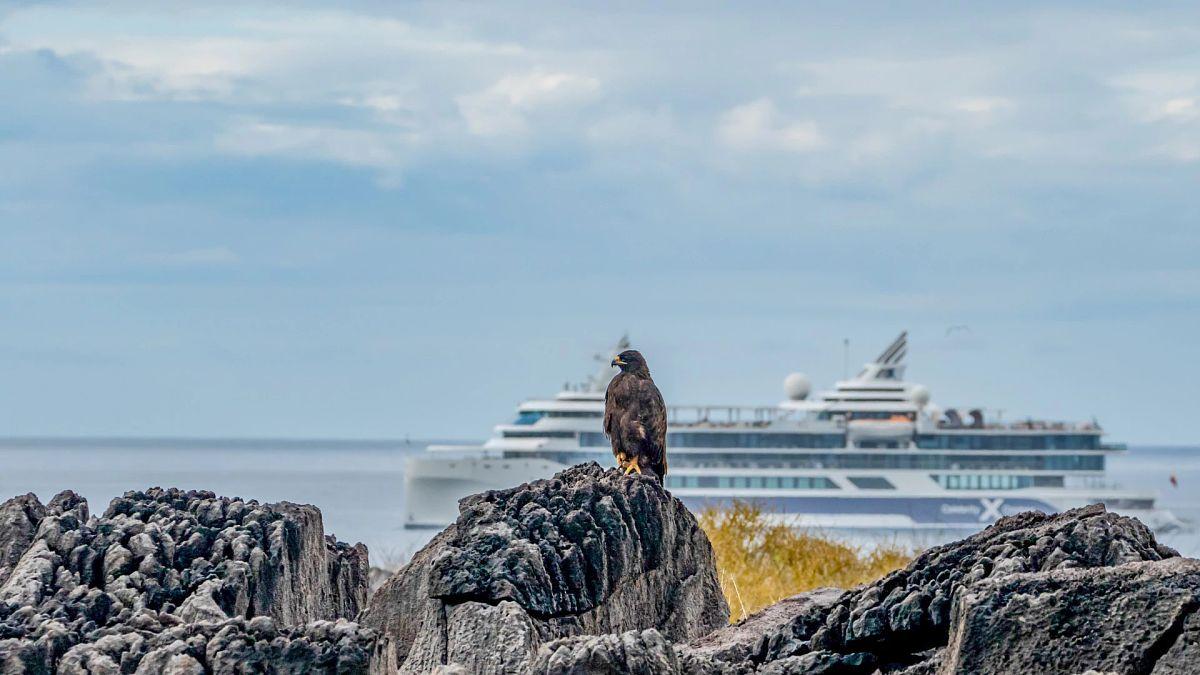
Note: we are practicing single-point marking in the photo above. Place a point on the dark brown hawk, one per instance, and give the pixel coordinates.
(635, 417)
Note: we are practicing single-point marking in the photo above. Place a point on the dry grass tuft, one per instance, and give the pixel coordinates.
(761, 563)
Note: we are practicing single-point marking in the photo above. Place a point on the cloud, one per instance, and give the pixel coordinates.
(983, 105)
(1160, 96)
(758, 125)
(387, 149)
(242, 53)
(1014, 147)
(1182, 109)
(504, 107)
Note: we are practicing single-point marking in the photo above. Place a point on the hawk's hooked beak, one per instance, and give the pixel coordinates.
(617, 361)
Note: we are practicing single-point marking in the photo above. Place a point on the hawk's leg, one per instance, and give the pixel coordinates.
(633, 466)
(622, 460)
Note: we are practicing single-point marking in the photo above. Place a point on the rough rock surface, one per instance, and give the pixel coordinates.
(202, 577)
(903, 622)
(588, 551)
(19, 518)
(1134, 618)
(587, 572)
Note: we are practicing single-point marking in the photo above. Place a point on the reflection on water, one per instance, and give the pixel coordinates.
(359, 485)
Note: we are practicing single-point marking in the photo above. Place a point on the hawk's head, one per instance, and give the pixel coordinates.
(630, 360)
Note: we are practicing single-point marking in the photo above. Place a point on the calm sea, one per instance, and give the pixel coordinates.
(359, 485)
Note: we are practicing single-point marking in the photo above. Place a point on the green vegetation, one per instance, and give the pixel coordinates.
(760, 562)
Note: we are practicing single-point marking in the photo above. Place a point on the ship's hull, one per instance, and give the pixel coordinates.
(434, 486)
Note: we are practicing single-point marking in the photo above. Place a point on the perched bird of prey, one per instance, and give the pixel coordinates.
(635, 417)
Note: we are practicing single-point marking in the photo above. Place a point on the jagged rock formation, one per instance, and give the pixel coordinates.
(186, 580)
(587, 572)
(19, 518)
(588, 551)
(903, 622)
(1136, 618)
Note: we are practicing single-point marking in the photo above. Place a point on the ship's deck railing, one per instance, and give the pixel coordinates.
(724, 415)
(1022, 425)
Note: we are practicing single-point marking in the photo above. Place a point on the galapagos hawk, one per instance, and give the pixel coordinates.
(635, 417)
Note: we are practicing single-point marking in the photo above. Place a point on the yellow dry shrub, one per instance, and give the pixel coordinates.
(761, 562)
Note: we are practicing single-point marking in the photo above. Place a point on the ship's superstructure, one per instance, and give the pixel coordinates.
(874, 453)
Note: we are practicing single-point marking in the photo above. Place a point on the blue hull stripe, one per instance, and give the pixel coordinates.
(922, 510)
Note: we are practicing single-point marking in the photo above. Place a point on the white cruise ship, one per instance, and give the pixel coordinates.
(874, 455)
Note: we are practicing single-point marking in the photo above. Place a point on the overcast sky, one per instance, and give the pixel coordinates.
(390, 219)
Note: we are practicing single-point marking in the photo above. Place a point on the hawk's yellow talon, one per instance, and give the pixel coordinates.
(633, 466)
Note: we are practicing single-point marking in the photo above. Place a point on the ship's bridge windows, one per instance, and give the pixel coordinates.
(574, 413)
(529, 417)
(871, 483)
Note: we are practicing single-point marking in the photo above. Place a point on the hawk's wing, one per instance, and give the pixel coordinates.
(610, 408)
(652, 417)
(654, 413)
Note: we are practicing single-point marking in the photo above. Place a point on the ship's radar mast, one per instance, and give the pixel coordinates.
(605, 373)
(889, 365)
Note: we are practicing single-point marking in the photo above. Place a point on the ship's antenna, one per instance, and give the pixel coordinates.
(845, 358)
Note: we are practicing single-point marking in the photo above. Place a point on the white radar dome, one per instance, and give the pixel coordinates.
(920, 395)
(797, 386)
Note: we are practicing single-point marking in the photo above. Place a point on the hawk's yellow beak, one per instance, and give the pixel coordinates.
(617, 361)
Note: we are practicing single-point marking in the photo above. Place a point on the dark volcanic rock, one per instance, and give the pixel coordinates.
(644, 652)
(908, 612)
(902, 622)
(588, 572)
(231, 646)
(1134, 618)
(743, 641)
(19, 518)
(97, 594)
(588, 551)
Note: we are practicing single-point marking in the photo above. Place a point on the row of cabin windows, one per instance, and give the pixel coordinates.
(753, 482)
(539, 434)
(708, 439)
(864, 415)
(703, 439)
(851, 461)
(995, 481)
(1008, 442)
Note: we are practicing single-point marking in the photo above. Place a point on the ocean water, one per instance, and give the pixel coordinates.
(359, 485)
(1151, 468)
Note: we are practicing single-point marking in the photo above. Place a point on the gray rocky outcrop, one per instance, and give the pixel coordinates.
(191, 581)
(19, 518)
(588, 572)
(1140, 617)
(965, 594)
(589, 551)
